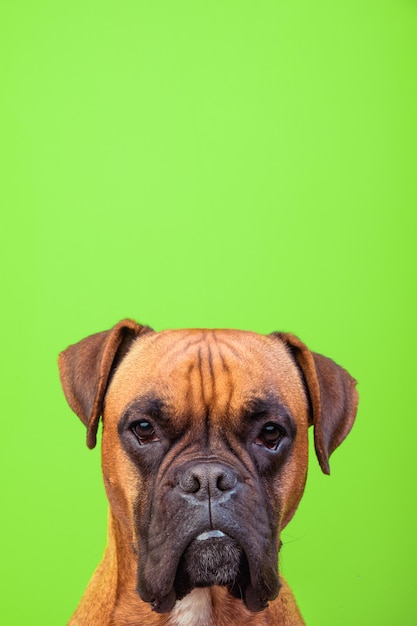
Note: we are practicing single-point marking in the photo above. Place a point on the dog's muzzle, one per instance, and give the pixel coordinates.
(211, 536)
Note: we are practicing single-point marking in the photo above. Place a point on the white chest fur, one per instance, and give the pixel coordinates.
(193, 610)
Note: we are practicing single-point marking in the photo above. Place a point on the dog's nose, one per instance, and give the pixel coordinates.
(208, 480)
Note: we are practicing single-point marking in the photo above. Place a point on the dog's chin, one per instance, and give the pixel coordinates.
(213, 558)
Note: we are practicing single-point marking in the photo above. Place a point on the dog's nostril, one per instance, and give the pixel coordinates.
(189, 483)
(226, 481)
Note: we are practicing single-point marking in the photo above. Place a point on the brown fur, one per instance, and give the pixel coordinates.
(102, 374)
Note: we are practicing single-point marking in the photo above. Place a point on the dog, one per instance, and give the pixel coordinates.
(204, 458)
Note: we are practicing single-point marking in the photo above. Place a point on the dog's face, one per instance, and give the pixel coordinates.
(211, 429)
(204, 448)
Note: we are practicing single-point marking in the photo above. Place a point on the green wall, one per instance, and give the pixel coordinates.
(226, 163)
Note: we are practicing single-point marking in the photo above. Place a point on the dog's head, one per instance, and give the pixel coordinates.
(205, 447)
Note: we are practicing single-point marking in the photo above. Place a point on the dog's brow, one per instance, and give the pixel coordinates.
(150, 405)
(258, 405)
(269, 405)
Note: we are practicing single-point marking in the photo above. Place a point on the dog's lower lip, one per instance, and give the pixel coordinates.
(210, 534)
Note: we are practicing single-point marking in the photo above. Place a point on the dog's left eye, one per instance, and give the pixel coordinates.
(144, 431)
(270, 436)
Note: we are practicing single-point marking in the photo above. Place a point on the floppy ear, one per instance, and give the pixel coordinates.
(85, 369)
(332, 395)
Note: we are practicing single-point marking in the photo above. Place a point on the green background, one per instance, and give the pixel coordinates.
(227, 163)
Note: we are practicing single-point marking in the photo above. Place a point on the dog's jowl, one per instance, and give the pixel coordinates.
(204, 456)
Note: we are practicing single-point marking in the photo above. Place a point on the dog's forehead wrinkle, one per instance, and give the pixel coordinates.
(179, 349)
(174, 345)
(202, 368)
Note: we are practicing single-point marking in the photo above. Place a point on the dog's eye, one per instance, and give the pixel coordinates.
(270, 436)
(144, 431)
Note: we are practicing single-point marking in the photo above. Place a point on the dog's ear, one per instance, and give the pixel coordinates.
(85, 369)
(332, 396)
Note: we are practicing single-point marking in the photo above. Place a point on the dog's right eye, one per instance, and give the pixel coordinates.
(144, 432)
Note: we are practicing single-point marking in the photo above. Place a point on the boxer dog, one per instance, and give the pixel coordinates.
(204, 457)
